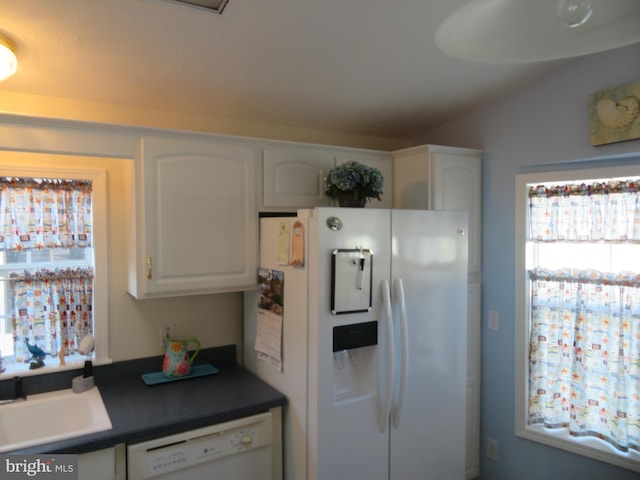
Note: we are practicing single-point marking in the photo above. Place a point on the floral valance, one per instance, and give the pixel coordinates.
(594, 212)
(573, 275)
(53, 275)
(616, 186)
(44, 213)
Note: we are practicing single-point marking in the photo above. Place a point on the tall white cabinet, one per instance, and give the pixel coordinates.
(196, 230)
(446, 178)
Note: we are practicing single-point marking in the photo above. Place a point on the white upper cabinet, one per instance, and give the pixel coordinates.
(293, 174)
(442, 178)
(196, 228)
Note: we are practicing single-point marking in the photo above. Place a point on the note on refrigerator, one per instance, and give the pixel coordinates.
(268, 342)
(283, 242)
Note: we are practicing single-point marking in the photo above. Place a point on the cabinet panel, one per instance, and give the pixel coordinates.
(456, 184)
(293, 177)
(442, 178)
(411, 179)
(106, 464)
(197, 231)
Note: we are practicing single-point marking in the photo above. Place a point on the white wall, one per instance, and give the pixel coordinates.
(543, 123)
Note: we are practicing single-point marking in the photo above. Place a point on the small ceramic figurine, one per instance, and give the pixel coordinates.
(61, 355)
(37, 355)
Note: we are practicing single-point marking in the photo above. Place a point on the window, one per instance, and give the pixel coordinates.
(52, 275)
(578, 302)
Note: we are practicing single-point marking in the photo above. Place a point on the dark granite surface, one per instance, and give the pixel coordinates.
(140, 412)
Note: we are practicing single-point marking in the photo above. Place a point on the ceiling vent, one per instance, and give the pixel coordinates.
(210, 5)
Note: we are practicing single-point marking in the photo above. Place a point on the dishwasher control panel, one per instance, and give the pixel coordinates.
(208, 444)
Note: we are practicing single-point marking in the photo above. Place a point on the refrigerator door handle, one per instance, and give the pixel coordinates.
(386, 408)
(398, 287)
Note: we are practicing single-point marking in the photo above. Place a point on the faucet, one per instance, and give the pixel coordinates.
(18, 392)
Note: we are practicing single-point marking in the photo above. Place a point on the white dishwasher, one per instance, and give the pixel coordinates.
(235, 450)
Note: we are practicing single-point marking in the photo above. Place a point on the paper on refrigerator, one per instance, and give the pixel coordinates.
(268, 342)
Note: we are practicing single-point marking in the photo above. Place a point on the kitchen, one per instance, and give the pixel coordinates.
(514, 130)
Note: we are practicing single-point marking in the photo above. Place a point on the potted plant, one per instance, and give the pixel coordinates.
(353, 183)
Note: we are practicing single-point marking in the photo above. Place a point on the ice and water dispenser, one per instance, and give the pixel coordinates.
(355, 363)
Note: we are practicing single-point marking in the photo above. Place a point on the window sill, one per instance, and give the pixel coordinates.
(53, 366)
(587, 446)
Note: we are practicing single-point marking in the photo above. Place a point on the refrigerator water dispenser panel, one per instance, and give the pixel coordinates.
(356, 335)
(355, 364)
(351, 280)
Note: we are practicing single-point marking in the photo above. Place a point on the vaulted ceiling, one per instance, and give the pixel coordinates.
(368, 67)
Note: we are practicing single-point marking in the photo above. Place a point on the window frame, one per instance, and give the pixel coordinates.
(586, 446)
(98, 177)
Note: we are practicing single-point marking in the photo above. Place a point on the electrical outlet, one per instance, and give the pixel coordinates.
(492, 449)
(168, 331)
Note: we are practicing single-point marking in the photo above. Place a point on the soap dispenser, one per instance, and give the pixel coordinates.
(85, 381)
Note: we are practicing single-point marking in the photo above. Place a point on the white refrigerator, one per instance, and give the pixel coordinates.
(364, 331)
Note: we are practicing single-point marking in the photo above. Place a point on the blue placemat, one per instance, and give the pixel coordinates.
(155, 378)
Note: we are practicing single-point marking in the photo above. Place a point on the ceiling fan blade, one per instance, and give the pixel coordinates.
(523, 31)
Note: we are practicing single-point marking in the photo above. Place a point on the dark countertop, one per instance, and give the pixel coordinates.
(141, 412)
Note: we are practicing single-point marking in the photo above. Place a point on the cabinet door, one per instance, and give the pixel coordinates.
(442, 178)
(380, 160)
(199, 217)
(456, 185)
(293, 177)
(411, 182)
(98, 465)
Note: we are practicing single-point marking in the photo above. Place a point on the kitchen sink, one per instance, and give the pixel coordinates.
(51, 416)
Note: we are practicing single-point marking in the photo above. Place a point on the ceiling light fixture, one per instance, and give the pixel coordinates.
(524, 31)
(8, 59)
(211, 5)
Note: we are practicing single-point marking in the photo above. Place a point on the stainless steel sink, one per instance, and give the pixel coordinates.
(52, 416)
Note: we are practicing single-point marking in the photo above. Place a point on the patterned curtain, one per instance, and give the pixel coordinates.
(51, 309)
(44, 213)
(585, 213)
(584, 359)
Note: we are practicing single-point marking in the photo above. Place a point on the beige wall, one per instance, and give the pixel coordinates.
(67, 109)
(135, 325)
